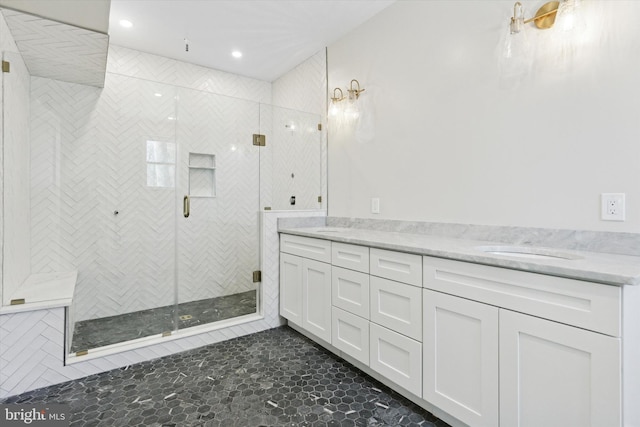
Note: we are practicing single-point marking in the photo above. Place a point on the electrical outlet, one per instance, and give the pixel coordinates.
(375, 205)
(612, 207)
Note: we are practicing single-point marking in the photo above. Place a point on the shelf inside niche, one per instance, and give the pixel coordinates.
(202, 175)
(202, 161)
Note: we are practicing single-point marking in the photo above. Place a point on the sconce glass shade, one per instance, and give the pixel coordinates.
(517, 20)
(335, 108)
(569, 10)
(352, 111)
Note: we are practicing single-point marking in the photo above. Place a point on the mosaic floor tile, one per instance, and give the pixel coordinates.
(272, 378)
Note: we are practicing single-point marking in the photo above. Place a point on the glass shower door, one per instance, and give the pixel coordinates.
(218, 224)
(291, 161)
(118, 192)
(14, 161)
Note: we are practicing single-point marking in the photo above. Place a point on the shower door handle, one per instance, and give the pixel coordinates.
(186, 206)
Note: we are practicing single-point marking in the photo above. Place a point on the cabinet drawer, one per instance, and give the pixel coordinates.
(350, 334)
(306, 247)
(350, 256)
(396, 306)
(396, 357)
(574, 302)
(350, 291)
(399, 266)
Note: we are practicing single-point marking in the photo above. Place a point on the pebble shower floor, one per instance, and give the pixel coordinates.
(272, 378)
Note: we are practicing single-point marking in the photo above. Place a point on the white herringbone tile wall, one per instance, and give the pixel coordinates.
(59, 51)
(304, 88)
(296, 146)
(133, 63)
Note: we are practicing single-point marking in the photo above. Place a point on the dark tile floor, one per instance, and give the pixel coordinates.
(96, 333)
(272, 378)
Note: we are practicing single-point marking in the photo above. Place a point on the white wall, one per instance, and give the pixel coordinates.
(453, 132)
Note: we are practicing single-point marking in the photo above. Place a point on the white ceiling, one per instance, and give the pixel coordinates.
(273, 35)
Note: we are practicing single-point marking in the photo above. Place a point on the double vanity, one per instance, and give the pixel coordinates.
(480, 334)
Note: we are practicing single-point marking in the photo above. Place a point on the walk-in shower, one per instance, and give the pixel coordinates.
(152, 193)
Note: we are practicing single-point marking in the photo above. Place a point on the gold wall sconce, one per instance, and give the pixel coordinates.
(544, 18)
(353, 93)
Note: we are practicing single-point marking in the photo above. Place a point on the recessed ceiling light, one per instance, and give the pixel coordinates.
(158, 94)
(125, 23)
(236, 54)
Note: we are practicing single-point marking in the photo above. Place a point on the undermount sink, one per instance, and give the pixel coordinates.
(527, 252)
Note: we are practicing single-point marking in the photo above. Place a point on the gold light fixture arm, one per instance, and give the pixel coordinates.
(545, 16)
(526, 21)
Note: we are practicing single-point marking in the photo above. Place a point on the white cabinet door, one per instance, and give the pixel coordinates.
(397, 357)
(460, 349)
(350, 334)
(316, 298)
(291, 288)
(555, 375)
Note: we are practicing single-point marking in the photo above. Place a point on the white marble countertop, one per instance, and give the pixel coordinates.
(610, 269)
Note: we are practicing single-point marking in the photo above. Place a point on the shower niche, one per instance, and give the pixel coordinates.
(202, 175)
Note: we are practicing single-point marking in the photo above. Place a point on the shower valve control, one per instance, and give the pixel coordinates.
(116, 212)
